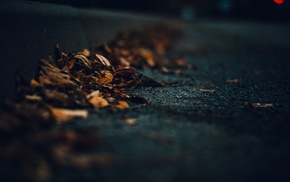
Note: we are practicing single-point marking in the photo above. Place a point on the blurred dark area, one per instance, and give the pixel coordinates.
(190, 9)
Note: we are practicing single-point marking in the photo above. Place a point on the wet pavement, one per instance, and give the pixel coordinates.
(188, 134)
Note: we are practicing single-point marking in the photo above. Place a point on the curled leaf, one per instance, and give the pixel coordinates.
(84, 60)
(84, 52)
(103, 60)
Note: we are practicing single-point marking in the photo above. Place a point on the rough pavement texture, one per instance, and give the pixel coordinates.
(183, 134)
(188, 135)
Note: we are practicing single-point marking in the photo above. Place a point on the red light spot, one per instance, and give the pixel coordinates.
(278, 1)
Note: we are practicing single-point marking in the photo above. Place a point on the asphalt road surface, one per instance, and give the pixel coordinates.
(200, 129)
(189, 134)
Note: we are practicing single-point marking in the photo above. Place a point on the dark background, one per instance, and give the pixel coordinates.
(249, 9)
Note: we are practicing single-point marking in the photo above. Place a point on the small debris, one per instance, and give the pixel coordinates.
(122, 105)
(129, 121)
(63, 115)
(257, 105)
(207, 90)
(233, 81)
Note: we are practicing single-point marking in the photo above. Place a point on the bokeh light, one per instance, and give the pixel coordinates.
(279, 1)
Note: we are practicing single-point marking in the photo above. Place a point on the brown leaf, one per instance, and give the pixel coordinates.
(123, 62)
(126, 72)
(105, 77)
(147, 54)
(33, 97)
(84, 60)
(71, 64)
(207, 90)
(122, 105)
(64, 115)
(232, 81)
(104, 61)
(129, 121)
(51, 75)
(95, 93)
(99, 102)
(165, 70)
(35, 83)
(257, 105)
(84, 52)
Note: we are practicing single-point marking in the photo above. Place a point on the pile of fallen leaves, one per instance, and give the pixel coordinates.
(65, 86)
(81, 80)
(143, 49)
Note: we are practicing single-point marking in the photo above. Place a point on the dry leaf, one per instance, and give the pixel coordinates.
(129, 121)
(33, 97)
(126, 72)
(122, 105)
(147, 54)
(207, 90)
(103, 60)
(35, 83)
(84, 52)
(105, 77)
(98, 102)
(257, 105)
(84, 60)
(64, 115)
(232, 81)
(124, 62)
(94, 94)
(77, 80)
(165, 70)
